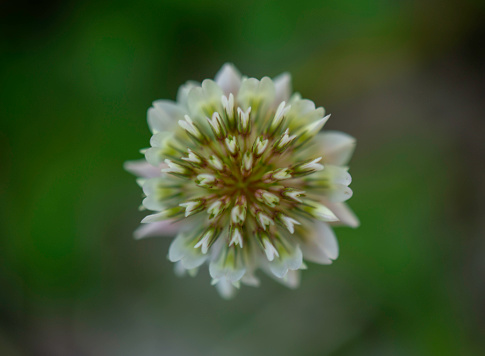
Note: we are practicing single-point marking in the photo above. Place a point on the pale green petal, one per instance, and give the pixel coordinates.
(257, 94)
(203, 101)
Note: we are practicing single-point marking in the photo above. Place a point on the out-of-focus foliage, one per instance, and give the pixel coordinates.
(404, 77)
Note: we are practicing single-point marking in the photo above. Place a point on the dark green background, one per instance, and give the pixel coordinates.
(406, 78)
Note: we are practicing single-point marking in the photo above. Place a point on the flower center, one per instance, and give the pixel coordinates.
(237, 171)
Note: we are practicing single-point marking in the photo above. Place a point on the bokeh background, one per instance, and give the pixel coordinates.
(406, 78)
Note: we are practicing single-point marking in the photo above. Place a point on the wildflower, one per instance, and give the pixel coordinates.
(239, 170)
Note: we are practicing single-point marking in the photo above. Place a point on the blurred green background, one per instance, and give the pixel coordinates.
(406, 78)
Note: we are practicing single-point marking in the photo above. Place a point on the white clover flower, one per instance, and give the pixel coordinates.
(240, 171)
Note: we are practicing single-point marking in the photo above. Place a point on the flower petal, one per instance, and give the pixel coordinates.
(228, 264)
(183, 93)
(225, 288)
(257, 94)
(229, 79)
(203, 100)
(288, 259)
(292, 279)
(141, 168)
(314, 253)
(159, 228)
(164, 115)
(343, 213)
(335, 147)
(320, 244)
(182, 249)
(282, 85)
(327, 240)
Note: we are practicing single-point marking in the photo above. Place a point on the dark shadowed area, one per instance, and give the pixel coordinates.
(406, 78)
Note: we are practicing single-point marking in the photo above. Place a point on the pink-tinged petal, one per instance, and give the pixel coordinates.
(343, 213)
(335, 147)
(141, 168)
(229, 79)
(159, 228)
(282, 85)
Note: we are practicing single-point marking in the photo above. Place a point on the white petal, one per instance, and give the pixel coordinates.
(228, 264)
(250, 280)
(203, 99)
(282, 85)
(183, 92)
(286, 261)
(255, 92)
(339, 193)
(326, 239)
(303, 113)
(163, 115)
(179, 269)
(335, 147)
(314, 253)
(225, 288)
(292, 279)
(154, 156)
(141, 168)
(320, 245)
(152, 203)
(229, 79)
(218, 271)
(182, 249)
(159, 228)
(343, 213)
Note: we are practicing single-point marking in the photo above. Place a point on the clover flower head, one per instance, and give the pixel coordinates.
(239, 171)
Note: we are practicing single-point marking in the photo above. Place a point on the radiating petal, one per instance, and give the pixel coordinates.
(257, 94)
(225, 288)
(229, 79)
(282, 85)
(339, 193)
(320, 245)
(203, 101)
(314, 253)
(335, 147)
(228, 264)
(325, 238)
(141, 168)
(159, 228)
(182, 249)
(292, 279)
(183, 93)
(343, 213)
(290, 259)
(164, 115)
